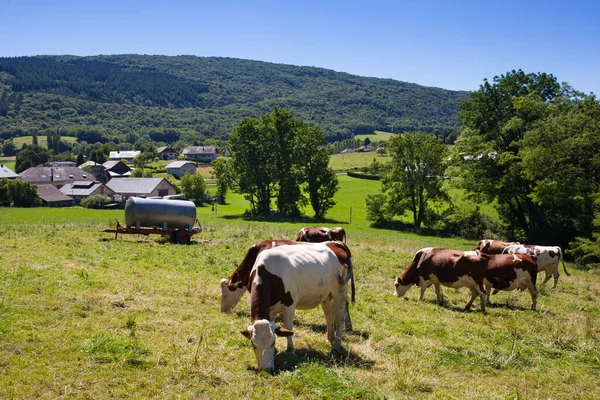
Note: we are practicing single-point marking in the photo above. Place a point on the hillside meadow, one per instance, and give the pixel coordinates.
(84, 315)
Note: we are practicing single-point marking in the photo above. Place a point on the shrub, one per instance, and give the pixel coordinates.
(95, 201)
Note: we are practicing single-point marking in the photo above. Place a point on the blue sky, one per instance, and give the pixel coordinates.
(447, 44)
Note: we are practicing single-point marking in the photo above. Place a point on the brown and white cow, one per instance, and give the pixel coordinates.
(287, 278)
(490, 246)
(547, 258)
(510, 272)
(452, 268)
(233, 288)
(316, 234)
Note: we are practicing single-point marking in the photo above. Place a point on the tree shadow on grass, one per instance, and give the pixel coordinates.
(275, 218)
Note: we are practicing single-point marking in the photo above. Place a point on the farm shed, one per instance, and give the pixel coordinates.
(180, 168)
(81, 189)
(56, 176)
(116, 169)
(200, 153)
(166, 153)
(139, 187)
(128, 156)
(52, 197)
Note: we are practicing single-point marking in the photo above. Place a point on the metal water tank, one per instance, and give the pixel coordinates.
(157, 212)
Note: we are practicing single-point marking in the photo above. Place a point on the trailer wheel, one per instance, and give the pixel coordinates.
(182, 236)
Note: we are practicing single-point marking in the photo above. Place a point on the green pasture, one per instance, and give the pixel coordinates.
(9, 162)
(28, 140)
(377, 136)
(85, 315)
(345, 162)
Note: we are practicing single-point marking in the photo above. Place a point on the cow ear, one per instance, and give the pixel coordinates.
(283, 332)
(224, 282)
(247, 332)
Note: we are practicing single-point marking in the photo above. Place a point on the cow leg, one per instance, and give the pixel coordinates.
(327, 307)
(288, 323)
(547, 277)
(482, 296)
(555, 274)
(339, 315)
(473, 296)
(488, 291)
(534, 293)
(438, 292)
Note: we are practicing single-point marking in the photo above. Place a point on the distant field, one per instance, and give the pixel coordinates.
(345, 162)
(378, 136)
(28, 140)
(9, 162)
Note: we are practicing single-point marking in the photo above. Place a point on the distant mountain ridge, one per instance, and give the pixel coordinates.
(189, 98)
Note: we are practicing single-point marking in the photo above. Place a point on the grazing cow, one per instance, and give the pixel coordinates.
(510, 272)
(492, 246)
(233, 288)
(317, 235)
(287, 278)
(436, 266)
(547, 258)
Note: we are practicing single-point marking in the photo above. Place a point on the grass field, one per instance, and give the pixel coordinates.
(377, 136)
(28, 140)
(85, 315)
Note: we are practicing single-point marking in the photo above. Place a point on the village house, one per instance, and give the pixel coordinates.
(82, 189)
(200, 153)
(56, 176)
(140, 187)
(127, 156)
(52, 197)
(166, 153)
(7, 173)
(180, 168)
(116, 169)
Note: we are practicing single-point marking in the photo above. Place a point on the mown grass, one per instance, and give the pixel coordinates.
(42, 140)
(83, 315)
(377, 136)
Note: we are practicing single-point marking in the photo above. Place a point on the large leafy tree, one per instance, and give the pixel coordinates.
(31, 156)
(274, 157)
(414, 178)
(526, 143)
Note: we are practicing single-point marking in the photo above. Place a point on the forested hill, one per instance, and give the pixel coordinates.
(191, 98)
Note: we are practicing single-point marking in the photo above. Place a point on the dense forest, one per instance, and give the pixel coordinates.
(124, 97)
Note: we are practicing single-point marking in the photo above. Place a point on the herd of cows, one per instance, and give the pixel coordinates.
(316, 269)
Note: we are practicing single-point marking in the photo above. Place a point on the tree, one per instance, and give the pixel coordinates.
(31, 156)
(252, 164)
(272, 158)
(18, 193)
(322, 182)
(8, 148)
(415, 176)
(193, 187)
(526, 143)
(223, 173)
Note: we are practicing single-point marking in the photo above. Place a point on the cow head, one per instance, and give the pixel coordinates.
(401, 286)
(262, 337)
(230, 294)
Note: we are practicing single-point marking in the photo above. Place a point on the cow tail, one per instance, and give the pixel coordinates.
(352, 288)
(350, 278)
(563, 263)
